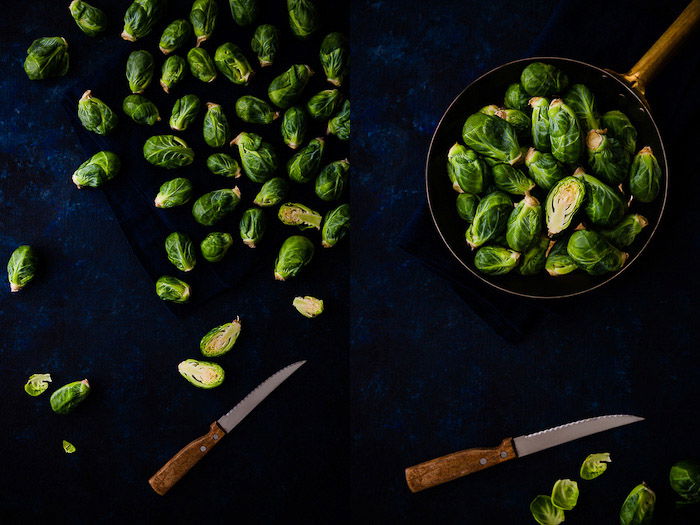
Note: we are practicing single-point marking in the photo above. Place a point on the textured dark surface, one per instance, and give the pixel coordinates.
(92, 312)
(429, 376)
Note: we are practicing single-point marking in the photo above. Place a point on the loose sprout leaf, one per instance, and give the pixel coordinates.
(68, 447)
(37, 384)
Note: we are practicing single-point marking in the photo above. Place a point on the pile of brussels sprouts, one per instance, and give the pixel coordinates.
(575, 176)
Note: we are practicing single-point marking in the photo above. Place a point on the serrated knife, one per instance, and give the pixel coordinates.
(163, 480)
(453, 466)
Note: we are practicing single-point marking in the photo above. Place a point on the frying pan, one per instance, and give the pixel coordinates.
(613, 91)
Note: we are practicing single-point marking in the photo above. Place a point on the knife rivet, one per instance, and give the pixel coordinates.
(504, 454)
(215, 436)
(203, 448)
(482, 461)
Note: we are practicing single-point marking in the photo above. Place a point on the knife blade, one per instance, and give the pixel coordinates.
(452, 466)
(170, 473)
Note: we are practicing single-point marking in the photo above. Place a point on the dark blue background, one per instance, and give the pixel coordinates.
(429, 377)
(92, 312)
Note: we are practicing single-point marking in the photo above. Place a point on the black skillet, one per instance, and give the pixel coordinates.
(612, 91)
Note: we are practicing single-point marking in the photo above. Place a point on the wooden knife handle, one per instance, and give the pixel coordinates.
(452, 466)
(170, 473)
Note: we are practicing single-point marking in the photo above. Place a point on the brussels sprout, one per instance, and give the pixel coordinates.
(593, 254)
(492, 136)
(295, 253)
(180, 252)
(516, 97)
(211, 207)
(490, 110)
(340, 124)
(558, 261)
(139, 70)
(308, 306)
(140, 17)
(685, 481)
(524, 224)
(201, 64)
(224, 165)
(265, 44)
(581, 100)
(258, 158)
(594, 465)
(220, 339)
(303, 17)
(175, 192)
(540, 123)
(544, 169)
(625, 232)
(244, 12)
(467, 171)
(175, 36)
(294, 126)
(304, 164)
(203, 18)
(47, 57)
(542, 80)
(201, 374)
(565, 135)
(335, 225)
(231, 61)
(544, 511)
(324, 104)
(167, 151)
(215, 245)
(173, 289)
(563, 201)
(645, 176)
(520, 121)
(91, 20)
(215, 130)
(607, 158)
(68, 447)
(95, 115)
(604, 206)
(287, 87)
(272, 192)
(172, 72)
(334, 56)
(510, 179)
(98, 169)
(21, 268)
(141, 110)
(620, 127)
(565, 494)
(66, 398)
(184, 112)
(331, 181)
(534, 258)
(466, 206)
(495, 260)
(638, 507)
(294, 214)
(490, 219)
(254, 110)
(252, 226)
(37, 384)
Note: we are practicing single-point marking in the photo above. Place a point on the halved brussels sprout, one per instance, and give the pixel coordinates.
(201, 373)
(220, 339)
(558, 261)
(544, 511)
(98, 169)
(490, 219)
(336, 225)
(517, 98)
(542, 80)
(334, 56)
(139, 70)
(69, 396)
(495, 260)
(172, 72)
(286, 88)
(607, 158)
(224, 165)
(254, 110)
(563, 201)
(324, 104)
(511, 180)
(294, 126)
(174, 192)
(295, 253)
(581, 100)
(604, 205)
(594, 465)
(620, 127)
(593, 254)
(173, 289)
(244, 12)
(339, 125)
(524, 224)
(544, 169)
(141, 110)
(565, 136)
(203, 18)
(37, 384)
(140, 17)
(331, 181)
(175, 35)
(540, 123)
(685, 481)
(211, 207)
(215, 245)
(180, 252)
(625, 232)
(303, 17)
(304, 165)
(466, 206)
(201, 64)
(184, 112)
(68, 447)
(638, 507)
(467, 171)
(534, 258)
(308, 306)
(231, 61)
(168, 151)
(252, 226)
(91, 20)
(565, 494)
(215, 129)
(493, 137)
(95, 115)
(21, 268)
(295, 214)
(47, 57)
(519, 120)
(272, 192)
(645, 176)
(265, 44)
(258, 158)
